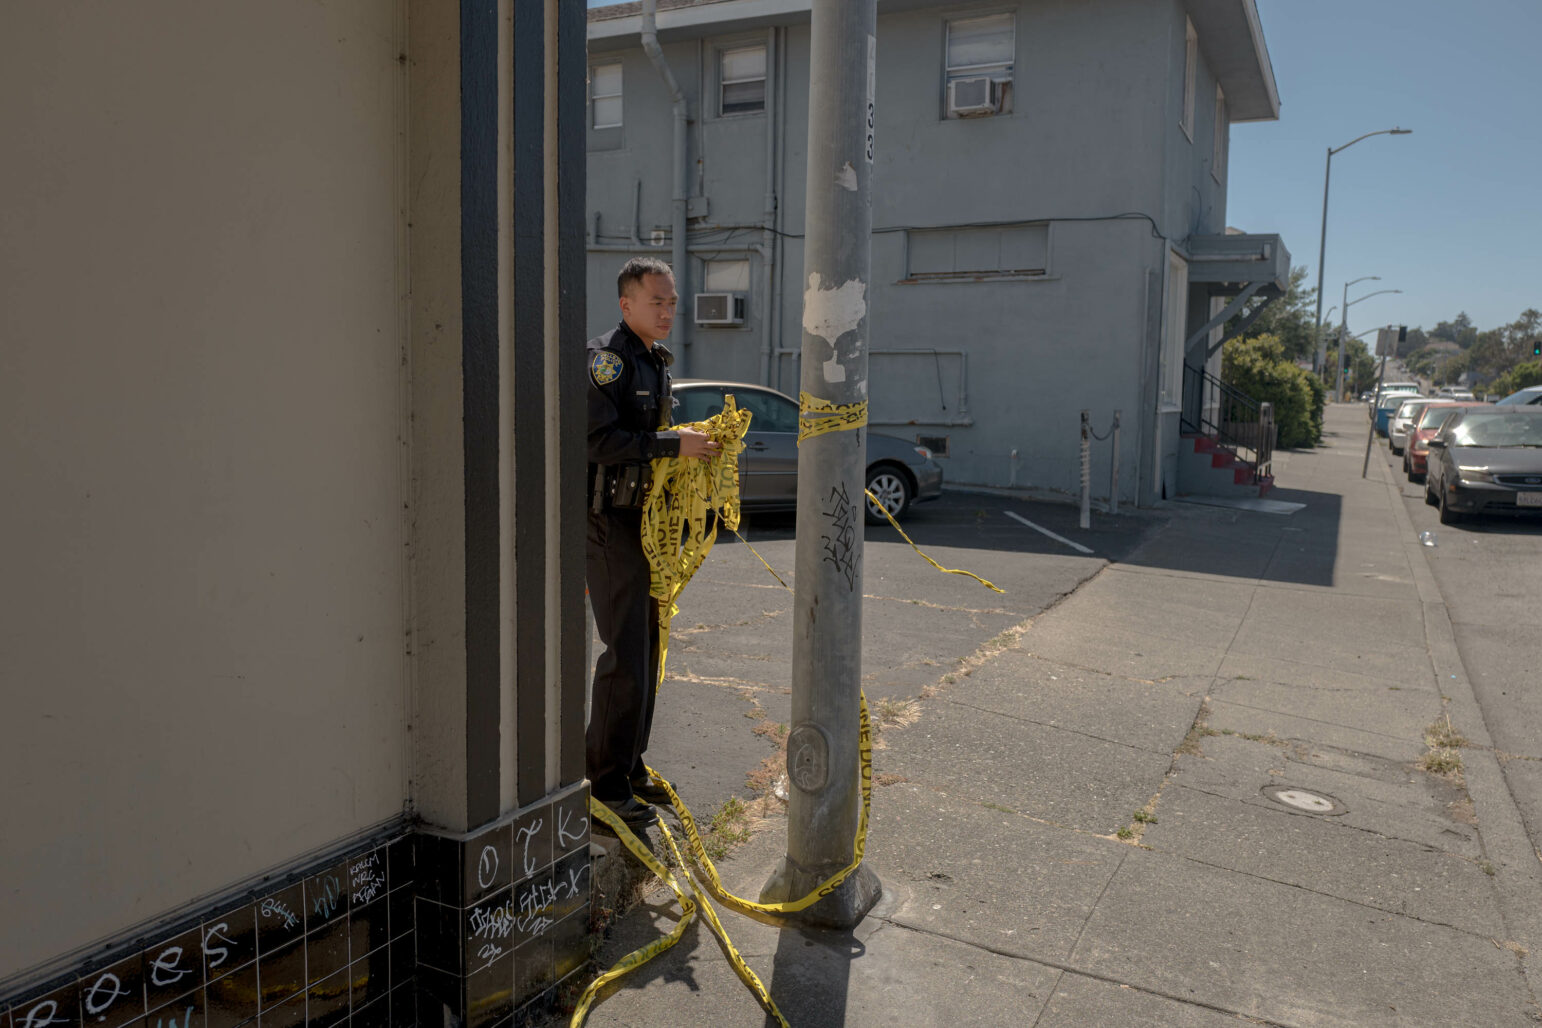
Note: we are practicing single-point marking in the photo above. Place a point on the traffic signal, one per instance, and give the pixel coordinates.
(1536, 347)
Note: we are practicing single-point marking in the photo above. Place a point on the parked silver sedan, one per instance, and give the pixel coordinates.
(899, 472)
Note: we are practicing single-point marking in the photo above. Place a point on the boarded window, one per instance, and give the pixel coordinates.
(726, 276)
(969, 252)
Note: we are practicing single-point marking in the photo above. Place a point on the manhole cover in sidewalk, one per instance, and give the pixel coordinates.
(1301, 799)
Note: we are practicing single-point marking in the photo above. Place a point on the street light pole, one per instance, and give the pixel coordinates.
(1344, 325)
(823, 746)
(1338, 390)
(1322, 239)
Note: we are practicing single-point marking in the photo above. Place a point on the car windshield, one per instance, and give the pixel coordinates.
(1498, 429)
(1411, 410)
(1433, 416)
(1525, 396)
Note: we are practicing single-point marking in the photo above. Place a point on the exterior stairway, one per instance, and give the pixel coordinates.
(1208, 467)
(1227, 444)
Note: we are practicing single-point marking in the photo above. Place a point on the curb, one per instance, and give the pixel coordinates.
(1518, 877)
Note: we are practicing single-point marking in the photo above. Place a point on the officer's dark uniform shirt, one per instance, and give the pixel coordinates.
(628, 402)
(629, 399)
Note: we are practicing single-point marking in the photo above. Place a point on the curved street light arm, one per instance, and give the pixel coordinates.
(1367, 296)
(1368, 135)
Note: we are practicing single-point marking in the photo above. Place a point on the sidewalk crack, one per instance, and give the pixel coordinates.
(1059, 728)
(1066, 968)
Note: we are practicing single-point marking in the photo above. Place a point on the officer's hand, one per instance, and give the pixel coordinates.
(695, 443)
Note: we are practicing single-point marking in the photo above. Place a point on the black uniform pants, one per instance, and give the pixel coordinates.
(626, 673)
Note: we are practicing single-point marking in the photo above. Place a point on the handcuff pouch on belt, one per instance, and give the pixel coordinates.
(620, 486)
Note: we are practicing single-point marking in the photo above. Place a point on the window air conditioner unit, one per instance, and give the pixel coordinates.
(719, 308)
(972, 97)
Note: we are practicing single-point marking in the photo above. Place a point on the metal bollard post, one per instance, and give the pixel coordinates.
(1113, 473)
(1086, 518)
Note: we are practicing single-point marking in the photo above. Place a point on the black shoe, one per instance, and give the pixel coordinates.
(632, 812)
(645, 790)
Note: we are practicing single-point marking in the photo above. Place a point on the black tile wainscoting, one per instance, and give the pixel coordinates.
(419, 927)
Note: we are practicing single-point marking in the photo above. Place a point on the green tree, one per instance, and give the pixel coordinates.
(1527, 373)
(1259, 367)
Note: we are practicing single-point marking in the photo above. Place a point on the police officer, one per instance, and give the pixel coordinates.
(629, 418)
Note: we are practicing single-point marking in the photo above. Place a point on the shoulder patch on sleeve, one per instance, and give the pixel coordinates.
(604, 367)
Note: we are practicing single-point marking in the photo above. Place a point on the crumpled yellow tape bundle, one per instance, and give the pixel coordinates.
(676, 534)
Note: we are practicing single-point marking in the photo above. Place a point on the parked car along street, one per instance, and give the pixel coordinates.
(1416, 453)
(1387, 405)
(1403, 420)
(1530, 396)
(1486, 460)
(899, 472)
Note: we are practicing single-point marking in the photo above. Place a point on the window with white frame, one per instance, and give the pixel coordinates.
(605, 96)
(1170, 374)
(979, 56)
(742, 80)
(1222, 132)
(1190, 74)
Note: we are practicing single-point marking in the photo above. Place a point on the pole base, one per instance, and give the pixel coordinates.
(843, 908)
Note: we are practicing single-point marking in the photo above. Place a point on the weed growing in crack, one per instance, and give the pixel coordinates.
(1441, 762)
(1441, 735)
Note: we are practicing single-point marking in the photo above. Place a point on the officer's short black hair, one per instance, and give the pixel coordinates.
(634, 270)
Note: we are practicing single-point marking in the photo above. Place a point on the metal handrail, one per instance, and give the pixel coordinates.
(1236, 420)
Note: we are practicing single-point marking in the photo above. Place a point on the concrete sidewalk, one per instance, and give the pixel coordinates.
(1094, 826)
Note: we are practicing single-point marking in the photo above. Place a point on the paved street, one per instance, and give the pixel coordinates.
(1194, 791)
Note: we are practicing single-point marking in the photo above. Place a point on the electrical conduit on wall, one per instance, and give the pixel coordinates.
(650, 45)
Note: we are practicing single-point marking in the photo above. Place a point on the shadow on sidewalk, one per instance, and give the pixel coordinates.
(1300, 548)
(813, 970)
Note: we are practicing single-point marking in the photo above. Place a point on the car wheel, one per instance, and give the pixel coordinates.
(1447, 515)
(893, 491)
(1416, 477)
(1429, 495)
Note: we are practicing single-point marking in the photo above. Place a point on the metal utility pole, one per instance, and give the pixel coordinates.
(1322, 238)
(823, 761)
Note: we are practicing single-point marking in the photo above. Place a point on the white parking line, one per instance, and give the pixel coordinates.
(1040, 528)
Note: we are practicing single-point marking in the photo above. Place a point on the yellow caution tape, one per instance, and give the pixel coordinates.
(677, 535)
(913, 546)
(816, 416)
(677, 531)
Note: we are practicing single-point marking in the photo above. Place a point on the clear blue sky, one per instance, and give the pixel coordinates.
(1451, 215)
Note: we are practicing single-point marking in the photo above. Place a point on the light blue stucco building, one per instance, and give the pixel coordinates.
(1049, 212)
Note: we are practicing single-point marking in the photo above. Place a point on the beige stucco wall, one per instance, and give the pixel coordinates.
(202, 412)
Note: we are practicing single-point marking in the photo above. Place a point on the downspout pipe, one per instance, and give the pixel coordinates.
(650, 45)
(768, 234)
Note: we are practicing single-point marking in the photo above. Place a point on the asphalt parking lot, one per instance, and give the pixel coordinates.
(728, 679)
